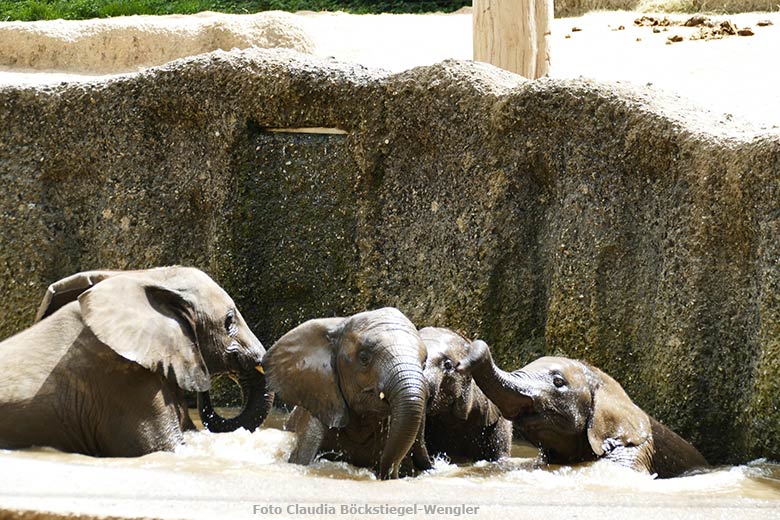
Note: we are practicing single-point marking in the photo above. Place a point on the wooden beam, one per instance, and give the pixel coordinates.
(514, 35)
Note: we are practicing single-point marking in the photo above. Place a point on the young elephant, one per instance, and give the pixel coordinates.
(103, 370)
(347, 378)
(461, 422)
(575, 412)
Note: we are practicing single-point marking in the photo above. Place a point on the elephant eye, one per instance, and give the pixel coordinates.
(230, 323)
(558, 381)
(364, 357)
(447, 365)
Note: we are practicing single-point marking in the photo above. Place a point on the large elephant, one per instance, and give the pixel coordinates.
(104, 369)
(461, 422)
(349, 378)
(574, 412)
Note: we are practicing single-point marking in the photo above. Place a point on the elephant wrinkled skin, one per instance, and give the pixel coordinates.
(104, 369)
(461, 423)
(349, 378)
(574, 412)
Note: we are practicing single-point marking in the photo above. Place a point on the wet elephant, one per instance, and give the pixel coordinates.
(350, 377)
(574, 412)
(104, 369)
(461, 423)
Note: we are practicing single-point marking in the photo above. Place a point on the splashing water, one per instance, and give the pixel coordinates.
(231, 475)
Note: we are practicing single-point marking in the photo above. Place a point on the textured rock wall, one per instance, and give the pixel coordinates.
(564, 217)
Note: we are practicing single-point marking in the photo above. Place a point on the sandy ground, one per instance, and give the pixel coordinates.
(735, 77)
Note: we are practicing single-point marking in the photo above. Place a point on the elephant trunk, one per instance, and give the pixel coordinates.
(407, 394)
(257, 403)
(502, 388)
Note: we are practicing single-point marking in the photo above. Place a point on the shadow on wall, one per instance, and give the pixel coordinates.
(600, 222)
(294, 223)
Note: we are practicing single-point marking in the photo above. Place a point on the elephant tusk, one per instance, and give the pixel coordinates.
(260, 369)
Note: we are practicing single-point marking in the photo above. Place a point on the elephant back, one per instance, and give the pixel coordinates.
(672, 455)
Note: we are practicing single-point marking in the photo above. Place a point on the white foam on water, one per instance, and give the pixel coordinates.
(263, 446)
(337, 470)
(758, 479)
(224, 474)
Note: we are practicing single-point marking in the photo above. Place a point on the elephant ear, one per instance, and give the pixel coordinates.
(301, 368)
(144, 321)
(67, 290)
(616, 422)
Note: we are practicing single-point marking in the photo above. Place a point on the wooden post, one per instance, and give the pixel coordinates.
(514, 35)
(543, 16)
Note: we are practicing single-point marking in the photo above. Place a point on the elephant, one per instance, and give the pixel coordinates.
(358, 388)
(573, 412)
(461, 422)
(103, 369)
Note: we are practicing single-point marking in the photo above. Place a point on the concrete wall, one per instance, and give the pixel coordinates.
(562, 217)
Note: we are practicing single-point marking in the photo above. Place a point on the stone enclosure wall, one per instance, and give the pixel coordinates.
(548, 217)
(127, 43)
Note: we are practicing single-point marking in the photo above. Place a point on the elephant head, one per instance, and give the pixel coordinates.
(462, 424)
(451, 391)
(574, 412)
(344, 369)
(175, 321)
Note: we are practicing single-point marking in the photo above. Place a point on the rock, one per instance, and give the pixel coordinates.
(764, 23)
(576, 29)
(726, 27)
(711, 31)
(651, 21)
(675, 38)
(598, 221)
(698, 20)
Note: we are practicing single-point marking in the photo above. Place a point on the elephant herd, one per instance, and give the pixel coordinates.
(104, 369)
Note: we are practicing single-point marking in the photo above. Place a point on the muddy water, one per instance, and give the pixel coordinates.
(235, 474)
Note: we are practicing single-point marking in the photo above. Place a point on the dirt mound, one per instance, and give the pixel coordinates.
(128, 43)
